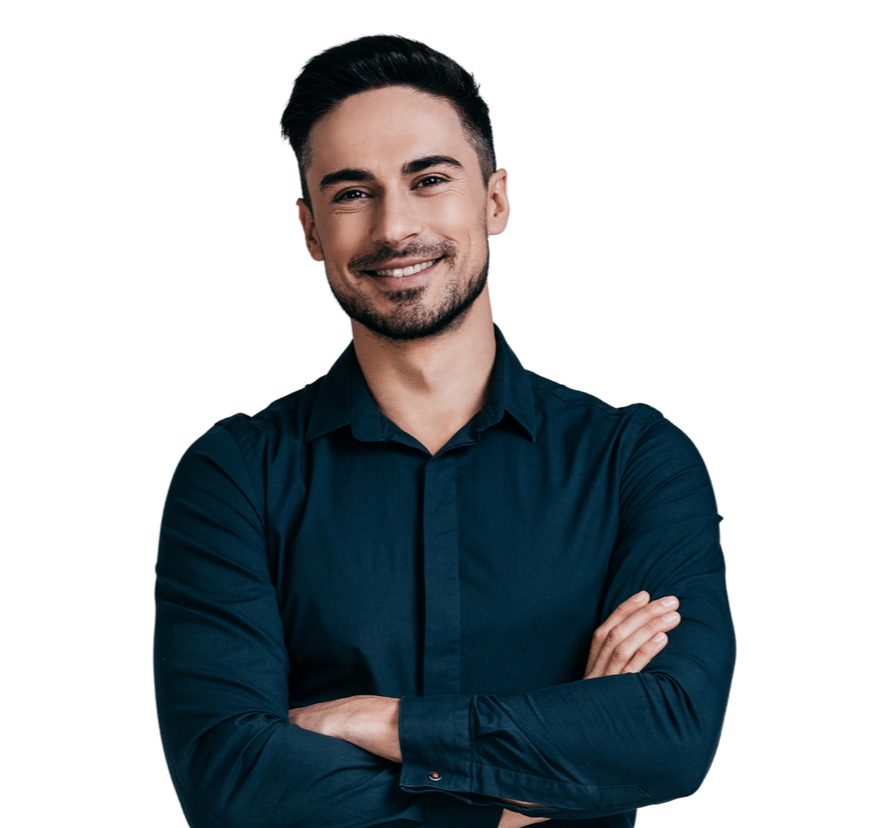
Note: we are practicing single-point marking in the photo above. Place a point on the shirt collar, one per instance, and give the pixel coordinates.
(343, 398)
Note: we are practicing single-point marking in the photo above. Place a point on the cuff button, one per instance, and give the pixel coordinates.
(435, 777)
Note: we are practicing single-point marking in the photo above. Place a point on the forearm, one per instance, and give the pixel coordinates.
(372, 723)
(252, 772)
(585, 749)
(222, 686)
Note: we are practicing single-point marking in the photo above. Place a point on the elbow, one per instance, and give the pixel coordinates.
(686, 777)
(684, 758)
(676, 775)
(681, 771)
(209, 811)
(217, 781)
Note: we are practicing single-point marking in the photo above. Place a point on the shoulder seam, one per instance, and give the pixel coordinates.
(610, 409)
(247, 466)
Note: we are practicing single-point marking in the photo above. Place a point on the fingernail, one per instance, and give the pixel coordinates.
(670, 616)
(669, 602)
(658, 638)
(641, 596)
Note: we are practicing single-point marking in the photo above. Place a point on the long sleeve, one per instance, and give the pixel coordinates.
(608, 745)
(221, 670)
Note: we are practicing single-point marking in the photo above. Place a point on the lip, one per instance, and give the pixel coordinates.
(402, 282)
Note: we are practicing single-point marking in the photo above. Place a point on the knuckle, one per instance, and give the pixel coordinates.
(660, 623)
(648, 648)
(615, 636)
(619, 658)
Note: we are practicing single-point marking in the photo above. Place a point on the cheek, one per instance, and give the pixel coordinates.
(462, 221)
(342, 238)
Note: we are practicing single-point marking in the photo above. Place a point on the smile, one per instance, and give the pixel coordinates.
(397, 272)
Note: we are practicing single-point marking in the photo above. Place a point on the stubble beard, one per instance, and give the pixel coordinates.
(411, 318)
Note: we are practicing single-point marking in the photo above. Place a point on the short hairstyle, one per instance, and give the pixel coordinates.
(373, 63)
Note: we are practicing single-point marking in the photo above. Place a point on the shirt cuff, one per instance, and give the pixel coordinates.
(446, 811)
(435, 743)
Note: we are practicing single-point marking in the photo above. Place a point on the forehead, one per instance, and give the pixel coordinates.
(387, 127)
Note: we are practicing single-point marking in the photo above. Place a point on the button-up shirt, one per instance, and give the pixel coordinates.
(317, 551)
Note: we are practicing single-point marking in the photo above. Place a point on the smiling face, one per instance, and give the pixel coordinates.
(400, 211)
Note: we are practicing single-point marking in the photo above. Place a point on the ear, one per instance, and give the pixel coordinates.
(497, 206)
(312, 240)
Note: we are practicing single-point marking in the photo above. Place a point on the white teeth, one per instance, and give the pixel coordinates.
(397, 272)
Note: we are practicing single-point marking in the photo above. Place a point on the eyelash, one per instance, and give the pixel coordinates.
(437, 179)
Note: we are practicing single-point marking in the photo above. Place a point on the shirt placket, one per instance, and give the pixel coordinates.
(442, 594)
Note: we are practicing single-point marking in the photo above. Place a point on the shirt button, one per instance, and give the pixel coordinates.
(435, 776)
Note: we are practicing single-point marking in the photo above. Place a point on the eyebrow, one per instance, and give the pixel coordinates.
(410, 168)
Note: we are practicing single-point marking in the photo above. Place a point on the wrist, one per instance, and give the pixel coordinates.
(375, 727)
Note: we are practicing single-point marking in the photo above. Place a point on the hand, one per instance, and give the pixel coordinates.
(370, 722)
(632, 635)
(625, 643)
(511, 819)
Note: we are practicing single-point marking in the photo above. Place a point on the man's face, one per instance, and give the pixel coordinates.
(400, 211)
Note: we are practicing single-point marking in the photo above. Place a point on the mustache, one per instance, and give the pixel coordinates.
(385, 255)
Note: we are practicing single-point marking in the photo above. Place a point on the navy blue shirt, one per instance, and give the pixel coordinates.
(317, 551)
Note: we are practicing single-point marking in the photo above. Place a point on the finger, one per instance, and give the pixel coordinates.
(617, 634)
(623, 611)
(646, 652)
(641, 638)
(617, 646)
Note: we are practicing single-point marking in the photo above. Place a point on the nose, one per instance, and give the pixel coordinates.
(396, 219)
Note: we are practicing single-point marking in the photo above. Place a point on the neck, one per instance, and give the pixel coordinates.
(431, 387)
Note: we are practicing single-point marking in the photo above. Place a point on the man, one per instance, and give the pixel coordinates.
(388, 599)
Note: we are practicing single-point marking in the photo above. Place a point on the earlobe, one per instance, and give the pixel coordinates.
(498, 204)
(312, 240)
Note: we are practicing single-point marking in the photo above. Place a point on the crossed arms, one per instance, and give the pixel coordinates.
(626, 643)
(583, 749)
